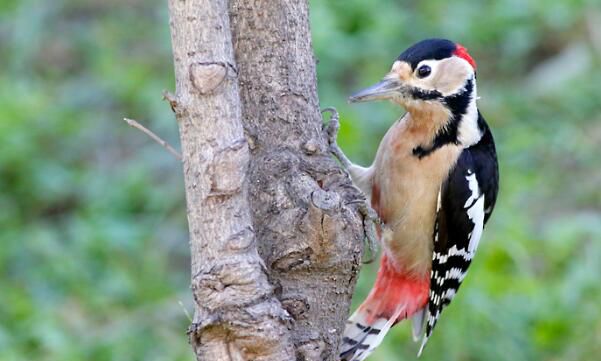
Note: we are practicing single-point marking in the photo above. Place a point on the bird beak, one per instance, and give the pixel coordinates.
(388, 88)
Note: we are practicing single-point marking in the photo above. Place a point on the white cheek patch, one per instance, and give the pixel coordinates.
(447, 76)
(453, 73)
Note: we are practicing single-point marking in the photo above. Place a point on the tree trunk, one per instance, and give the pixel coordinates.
(286, 197)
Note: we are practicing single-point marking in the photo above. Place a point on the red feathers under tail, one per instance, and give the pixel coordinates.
(394, 297)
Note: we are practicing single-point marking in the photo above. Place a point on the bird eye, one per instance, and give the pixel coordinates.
(423, 71)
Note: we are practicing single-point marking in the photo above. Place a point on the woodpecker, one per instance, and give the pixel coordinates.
(433, 184)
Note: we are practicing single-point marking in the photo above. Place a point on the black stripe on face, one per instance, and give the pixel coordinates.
(457, 104)
(416, 93)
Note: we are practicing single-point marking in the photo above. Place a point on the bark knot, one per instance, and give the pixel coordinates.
(325, 200)
(227, 174)
(296, 306)
(311, 146)
(206, 77)
(242, 240)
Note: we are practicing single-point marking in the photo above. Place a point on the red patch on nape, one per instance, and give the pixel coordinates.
(461, 52)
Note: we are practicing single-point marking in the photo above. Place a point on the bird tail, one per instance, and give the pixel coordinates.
(394, 297)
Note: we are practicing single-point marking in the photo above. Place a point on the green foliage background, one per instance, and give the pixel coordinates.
(93, 241)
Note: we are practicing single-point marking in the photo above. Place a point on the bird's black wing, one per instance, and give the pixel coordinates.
(466, 201)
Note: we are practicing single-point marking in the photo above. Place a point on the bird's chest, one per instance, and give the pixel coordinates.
(405, 194)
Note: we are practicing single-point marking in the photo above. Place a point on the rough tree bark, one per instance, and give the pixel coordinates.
(259, 177)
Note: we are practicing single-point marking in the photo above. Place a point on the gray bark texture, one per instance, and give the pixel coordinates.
(276, 235)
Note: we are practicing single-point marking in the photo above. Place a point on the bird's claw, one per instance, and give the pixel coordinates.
(370, 217)
(331, 131)
(332, 128)
(370, 221)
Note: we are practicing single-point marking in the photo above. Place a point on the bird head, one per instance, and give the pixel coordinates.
(432, 71)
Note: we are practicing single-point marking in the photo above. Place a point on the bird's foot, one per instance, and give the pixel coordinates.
(370, 217)
(331, 132)
(370, 222)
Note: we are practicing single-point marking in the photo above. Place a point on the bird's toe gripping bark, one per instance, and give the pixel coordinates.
(370, 220)
(331, 132)
(370, 217)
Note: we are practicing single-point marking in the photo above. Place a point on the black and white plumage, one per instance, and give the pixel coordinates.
(466, 201)
(433, 183)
